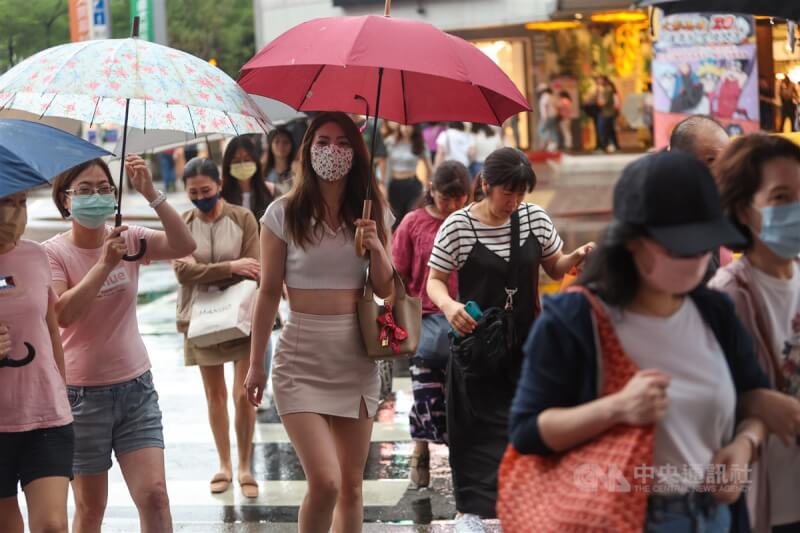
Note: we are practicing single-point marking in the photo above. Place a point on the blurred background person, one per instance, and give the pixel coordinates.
(405, 151)
(412, 244)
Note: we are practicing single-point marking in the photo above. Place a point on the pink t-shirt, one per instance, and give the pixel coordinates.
(32, 396)
(104, 347)
(412, 245)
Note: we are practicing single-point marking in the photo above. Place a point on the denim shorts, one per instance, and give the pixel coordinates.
(124, 417)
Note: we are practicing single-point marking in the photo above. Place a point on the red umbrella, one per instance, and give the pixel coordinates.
(406, 71)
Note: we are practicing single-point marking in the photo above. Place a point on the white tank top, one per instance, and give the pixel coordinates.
(329, 263)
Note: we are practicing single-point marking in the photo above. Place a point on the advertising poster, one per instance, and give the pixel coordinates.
(705, 64)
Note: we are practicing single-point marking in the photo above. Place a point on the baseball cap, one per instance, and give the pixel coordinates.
(672, 195)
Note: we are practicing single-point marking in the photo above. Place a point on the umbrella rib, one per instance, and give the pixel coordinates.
(48, 105)
(194, 131)
(9, 102)
(313, 81)
(236, 131)
(499, 123)
(403, 91)
(96, 105)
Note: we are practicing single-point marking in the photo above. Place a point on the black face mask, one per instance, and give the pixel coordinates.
(16, 363)
(206, 205)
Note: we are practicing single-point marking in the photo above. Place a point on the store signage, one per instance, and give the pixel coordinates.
(705, 30)
(705, 65)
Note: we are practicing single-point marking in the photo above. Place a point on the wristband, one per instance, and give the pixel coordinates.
(160, 199)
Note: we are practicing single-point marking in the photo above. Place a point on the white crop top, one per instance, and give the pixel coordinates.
(330, 263)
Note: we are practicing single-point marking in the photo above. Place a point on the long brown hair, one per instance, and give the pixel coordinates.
(305, 205)
(232, 190)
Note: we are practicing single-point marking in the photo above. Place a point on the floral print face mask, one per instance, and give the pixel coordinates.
(331, 162)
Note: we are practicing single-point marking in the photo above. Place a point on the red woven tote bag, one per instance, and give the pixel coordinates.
(593, 488)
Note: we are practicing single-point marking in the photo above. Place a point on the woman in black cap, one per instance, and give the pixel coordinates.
(692, 361)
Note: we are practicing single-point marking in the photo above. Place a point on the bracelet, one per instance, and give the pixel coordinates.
(160, 199)
(754, 444)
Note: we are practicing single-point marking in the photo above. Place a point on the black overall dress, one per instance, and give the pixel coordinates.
(478, 411)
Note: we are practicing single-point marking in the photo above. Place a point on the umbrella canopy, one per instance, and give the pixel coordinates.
(787, 9)
(333, 64)
(168, 89)
(33, 154)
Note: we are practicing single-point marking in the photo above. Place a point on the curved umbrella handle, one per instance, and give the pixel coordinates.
(138, 255)
(16, 363)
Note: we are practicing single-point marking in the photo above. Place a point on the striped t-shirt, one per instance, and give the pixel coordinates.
(456, 237)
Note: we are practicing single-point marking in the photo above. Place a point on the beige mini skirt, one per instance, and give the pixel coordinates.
(320, 366)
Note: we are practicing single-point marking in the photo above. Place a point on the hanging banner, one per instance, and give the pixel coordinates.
(80, 27)
(101, 21)
(705, 65)
(144, 10)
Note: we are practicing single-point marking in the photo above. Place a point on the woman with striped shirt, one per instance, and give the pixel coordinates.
(476, 242)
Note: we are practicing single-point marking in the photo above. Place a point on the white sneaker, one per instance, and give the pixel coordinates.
(469, 523)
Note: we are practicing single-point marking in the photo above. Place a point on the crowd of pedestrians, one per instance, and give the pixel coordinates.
(682, 328)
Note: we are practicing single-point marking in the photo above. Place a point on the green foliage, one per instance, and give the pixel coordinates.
(27, 27)
(205, 28)
(212, 29)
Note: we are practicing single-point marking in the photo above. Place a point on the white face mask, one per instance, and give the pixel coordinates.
(331, 162)
(243, 171)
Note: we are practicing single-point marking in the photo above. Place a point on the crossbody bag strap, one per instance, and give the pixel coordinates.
(512, 273)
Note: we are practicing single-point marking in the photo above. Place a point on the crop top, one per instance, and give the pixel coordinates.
(330, 263)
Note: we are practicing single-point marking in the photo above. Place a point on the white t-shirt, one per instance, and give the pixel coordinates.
(486, 145)
(782, 298)
(456, 238)
(455, 145)
(702, 399)
(246, 199)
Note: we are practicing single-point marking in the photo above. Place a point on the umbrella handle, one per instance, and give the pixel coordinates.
(16, 363)
(142, 244)
(361, 250)
(138, 255)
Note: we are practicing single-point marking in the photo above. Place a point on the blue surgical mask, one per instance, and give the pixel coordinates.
(92, 211)
(206, 205)
(780, 229)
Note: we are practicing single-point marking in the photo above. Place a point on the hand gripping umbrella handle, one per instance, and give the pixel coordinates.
(16, 363)
(359, 237)
(142, 245)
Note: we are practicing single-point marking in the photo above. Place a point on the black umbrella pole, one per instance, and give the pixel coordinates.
(118, 221)
(366, 212)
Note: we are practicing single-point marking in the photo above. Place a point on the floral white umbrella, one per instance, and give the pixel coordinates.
(133, 83)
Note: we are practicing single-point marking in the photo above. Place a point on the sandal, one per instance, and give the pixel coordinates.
(220, 483)
(420, 472)
(249, 486)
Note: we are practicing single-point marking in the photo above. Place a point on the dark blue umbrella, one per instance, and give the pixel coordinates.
(786, 9)
(32, 154)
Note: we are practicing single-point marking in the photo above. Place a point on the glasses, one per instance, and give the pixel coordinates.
(85, 190)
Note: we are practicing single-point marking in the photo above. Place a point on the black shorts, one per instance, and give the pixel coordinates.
(30, 455)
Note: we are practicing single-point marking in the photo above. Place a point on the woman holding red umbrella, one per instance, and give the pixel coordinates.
(325, 387)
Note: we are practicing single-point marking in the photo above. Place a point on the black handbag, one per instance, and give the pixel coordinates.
(491, 350)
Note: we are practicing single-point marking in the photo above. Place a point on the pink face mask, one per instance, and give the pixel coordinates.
(674, 275)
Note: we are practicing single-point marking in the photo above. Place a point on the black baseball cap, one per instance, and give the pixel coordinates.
(672, 195)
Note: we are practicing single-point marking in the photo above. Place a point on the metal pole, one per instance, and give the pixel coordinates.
(366, 212)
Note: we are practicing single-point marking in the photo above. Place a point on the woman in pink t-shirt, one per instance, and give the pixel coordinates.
(109, 385)
(36, 435)
(411, 250)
